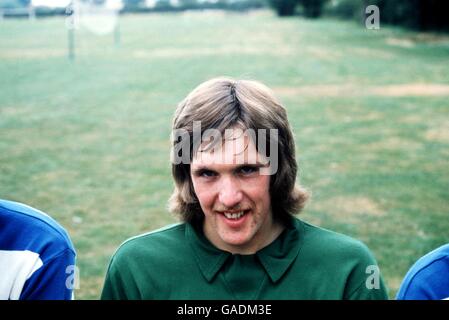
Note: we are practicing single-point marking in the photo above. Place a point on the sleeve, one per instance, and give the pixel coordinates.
(121, 278)
(427, 281)
(366, 291)
(414, 289)
(127, 277)
(55, 280)
(365, 282)
(113, 288)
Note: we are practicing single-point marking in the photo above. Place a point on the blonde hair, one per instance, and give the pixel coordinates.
(222, 103)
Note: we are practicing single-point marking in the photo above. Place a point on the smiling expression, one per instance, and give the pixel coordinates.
(234, 197)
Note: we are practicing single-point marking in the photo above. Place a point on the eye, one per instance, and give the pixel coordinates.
(206, 173)
(247, 170)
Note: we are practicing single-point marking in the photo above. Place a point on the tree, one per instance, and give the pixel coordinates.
(312, 8)
(284, 8)
(416, 14)
(133, 3)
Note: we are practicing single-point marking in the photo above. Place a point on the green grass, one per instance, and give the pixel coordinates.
(88, 141)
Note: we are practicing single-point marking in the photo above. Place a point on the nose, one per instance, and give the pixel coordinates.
(230, 194)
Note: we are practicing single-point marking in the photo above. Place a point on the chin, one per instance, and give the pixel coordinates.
(235, 241)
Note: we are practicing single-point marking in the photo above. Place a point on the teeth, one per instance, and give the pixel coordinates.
(233, 215)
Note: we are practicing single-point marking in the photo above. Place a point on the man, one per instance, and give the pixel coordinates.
(234, 167)
(37, 258)
(428, 278)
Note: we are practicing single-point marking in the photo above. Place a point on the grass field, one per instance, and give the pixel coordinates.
(88, 140)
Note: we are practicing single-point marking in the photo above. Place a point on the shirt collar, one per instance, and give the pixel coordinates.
(209, 258)
(275, 258)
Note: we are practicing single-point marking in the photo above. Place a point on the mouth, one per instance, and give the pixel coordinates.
(234, 215)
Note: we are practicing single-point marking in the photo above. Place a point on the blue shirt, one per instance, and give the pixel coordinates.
(37, 258)
(428, 278)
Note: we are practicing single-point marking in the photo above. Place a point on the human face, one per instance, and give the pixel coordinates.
(234, 196)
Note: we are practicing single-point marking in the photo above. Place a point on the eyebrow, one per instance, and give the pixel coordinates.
(203, 168)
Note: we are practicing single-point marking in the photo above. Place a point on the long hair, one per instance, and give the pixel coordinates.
(223, 103)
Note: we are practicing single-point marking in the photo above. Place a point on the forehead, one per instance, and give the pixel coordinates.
(235, 148)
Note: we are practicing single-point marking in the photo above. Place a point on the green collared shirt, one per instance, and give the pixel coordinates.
(304, 262)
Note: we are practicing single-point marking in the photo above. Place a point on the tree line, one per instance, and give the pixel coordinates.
(421, 15)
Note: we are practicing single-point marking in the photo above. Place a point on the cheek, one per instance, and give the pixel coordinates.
(260, 188)
(204, 194)
(259, 193)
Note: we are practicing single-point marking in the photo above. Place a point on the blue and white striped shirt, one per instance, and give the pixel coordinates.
(37, 258)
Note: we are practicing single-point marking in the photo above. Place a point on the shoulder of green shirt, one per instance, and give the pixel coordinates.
(334, 243)
(337, 247)
(127, 261)
(132, 246)
(343, 251)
